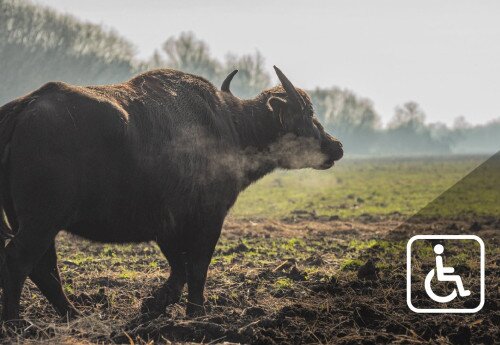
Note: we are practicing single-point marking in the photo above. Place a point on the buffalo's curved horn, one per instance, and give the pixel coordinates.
(227, 81)
(292, 93)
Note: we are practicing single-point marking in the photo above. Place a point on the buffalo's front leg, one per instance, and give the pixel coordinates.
(199, 256)
(170, 292)
(46, 277)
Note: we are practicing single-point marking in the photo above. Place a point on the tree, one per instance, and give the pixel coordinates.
(410, 115)
(38, 45)
(190, 54)
(407, 133)
(476, 139)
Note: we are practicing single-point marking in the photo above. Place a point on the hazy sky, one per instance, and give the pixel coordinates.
(442, 54)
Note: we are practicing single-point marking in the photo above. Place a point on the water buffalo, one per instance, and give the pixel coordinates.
(161, 157)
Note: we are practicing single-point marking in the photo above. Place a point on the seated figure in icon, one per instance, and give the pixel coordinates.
(443, 273)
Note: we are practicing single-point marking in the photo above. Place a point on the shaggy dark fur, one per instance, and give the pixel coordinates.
(160, 158)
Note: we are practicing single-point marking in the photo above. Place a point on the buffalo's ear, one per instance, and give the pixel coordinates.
(277, 106)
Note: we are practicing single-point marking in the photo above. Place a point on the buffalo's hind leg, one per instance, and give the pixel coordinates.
(21, 256)
(44, 180)
(170, 292)
(46, 277)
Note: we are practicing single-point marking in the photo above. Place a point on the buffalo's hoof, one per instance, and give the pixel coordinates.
(70, 315)
(160, 299)
(18, 324)
(195, 310)
(151, 305)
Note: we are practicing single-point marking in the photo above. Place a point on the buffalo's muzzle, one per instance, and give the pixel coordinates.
(333, 151)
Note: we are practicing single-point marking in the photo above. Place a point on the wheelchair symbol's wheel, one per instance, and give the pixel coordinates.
(432, 295)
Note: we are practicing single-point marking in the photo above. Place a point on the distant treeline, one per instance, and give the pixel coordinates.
(39, 44)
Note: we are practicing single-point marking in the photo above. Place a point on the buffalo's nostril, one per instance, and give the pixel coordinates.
(333, 149)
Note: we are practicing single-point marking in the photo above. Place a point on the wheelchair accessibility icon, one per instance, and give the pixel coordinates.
(442, 273)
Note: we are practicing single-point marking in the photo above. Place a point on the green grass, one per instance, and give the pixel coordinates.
(351, 264)
(355, 187)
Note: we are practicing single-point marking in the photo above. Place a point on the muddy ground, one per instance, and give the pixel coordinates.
(296, 281)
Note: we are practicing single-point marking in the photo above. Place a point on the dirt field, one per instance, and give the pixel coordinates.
(305, 257)
(291, 282)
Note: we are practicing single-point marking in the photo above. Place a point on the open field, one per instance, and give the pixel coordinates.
(376, 187)
(355, 187)
(305, 257)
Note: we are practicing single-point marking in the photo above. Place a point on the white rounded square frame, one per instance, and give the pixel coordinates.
(408, 273)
